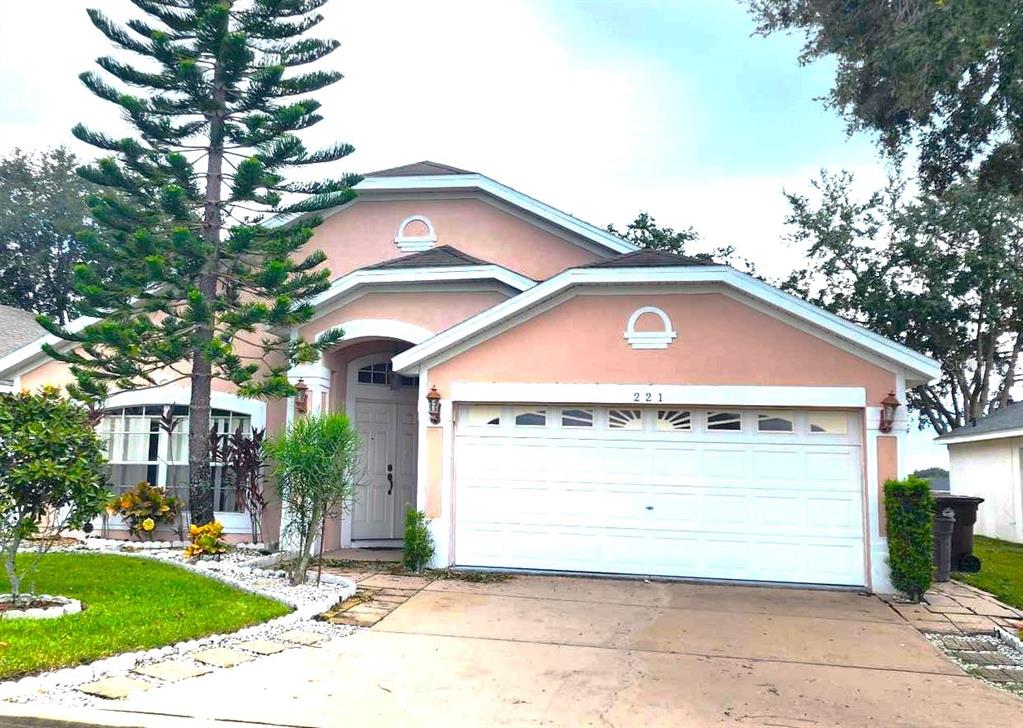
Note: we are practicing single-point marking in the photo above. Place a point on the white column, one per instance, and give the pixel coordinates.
(880, 575)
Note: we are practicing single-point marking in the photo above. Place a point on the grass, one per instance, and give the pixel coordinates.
(1001, 571)
(130, 604)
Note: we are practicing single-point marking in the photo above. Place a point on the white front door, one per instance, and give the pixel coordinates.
(723, 493)
(388, 457)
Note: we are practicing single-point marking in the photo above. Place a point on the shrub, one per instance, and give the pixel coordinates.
(418, 541)
(206, 540)
(909, 507)
(314, 469)
(144, 508)
(51, 474)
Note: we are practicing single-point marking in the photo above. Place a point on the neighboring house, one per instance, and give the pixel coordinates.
(986, 460)
(17, 328)
(602, 409)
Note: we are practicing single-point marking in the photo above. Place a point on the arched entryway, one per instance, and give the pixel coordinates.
(382, 404)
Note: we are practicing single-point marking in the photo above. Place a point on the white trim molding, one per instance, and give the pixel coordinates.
(446, 344)
(415, 243)
(649, 339)
(382, 329)
(952, 439)
(342, 287)
(680, 394)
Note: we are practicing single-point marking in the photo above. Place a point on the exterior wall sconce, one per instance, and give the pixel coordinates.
(433, 401)
(889, 406)
(302, 398)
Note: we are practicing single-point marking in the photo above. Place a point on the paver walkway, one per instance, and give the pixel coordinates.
(953, 608)
(378, 595)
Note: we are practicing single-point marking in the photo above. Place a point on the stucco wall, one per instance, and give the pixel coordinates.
(432, 310)
(990, 469)
(721, 341)
(363, 234)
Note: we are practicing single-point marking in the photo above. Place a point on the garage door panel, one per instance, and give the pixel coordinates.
(776, 508)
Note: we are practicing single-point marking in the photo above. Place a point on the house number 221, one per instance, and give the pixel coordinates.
(647, 397)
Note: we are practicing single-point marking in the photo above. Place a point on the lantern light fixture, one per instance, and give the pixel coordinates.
(433, 402)
(889, 407)
(302, 397)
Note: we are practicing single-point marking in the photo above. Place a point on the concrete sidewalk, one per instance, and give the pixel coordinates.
(560, 651)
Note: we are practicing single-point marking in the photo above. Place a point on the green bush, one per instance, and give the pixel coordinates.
(418, 541)
(909, 507)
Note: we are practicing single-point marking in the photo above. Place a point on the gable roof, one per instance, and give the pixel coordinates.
(442, 256)
(448, 343)
(1005, 421)
(18, 327)
(647, 258)
(418, 169)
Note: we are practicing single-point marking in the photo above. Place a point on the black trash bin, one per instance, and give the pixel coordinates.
(944, 524)
(965, 509)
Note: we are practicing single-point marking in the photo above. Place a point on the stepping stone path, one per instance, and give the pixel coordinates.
(221, 656)
(113, 688)
(986, 657)
(378, 596)
(172, 670)
(262, 647)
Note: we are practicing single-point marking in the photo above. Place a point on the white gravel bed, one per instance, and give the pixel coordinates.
(61, 606)
(308, 600)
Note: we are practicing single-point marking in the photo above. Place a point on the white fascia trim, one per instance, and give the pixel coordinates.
(673, 394)
(446, 274)
(502, 192)
(924, 367)
(25, 354)
(998, 435)
(382, 329)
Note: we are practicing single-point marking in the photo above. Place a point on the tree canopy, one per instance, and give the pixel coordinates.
(42, 213)
(942, 274)
(941, 73)
(202, 232)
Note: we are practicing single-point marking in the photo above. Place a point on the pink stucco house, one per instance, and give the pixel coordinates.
(602, 409)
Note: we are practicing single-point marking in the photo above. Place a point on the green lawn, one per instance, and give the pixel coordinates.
(129, 604)
(1001, 571)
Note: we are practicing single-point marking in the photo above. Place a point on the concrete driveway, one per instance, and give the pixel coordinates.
(559, 651)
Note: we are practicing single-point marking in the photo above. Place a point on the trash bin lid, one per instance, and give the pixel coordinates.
(953, 499)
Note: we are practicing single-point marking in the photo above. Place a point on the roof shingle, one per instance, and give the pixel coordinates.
(17, 328)
(650, 259)
(1009, 417)
(442, 256)
(419, 169)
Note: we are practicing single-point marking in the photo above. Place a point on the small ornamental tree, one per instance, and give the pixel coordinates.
(51, 478)
(909, 509)
(203, 284)
(315, 472)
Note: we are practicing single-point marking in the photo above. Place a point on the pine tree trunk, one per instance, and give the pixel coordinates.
(200, 487)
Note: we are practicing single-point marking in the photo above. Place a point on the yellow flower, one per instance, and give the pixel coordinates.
(148, 525)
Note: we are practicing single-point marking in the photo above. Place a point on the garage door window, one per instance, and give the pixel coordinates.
(774, 423)
(729, 421)
(828, 423)
(531, 418)
(625, 419)
(674, 421)
(577, 418)
(485, 416)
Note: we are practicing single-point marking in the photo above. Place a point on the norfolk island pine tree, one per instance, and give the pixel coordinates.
(182, 207)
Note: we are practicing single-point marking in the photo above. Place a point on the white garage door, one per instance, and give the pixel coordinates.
(762, 495)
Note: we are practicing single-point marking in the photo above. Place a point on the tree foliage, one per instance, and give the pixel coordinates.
(315, 472)
(646, 233)
(944, 72)
(204, 235)
(42, 212)
(51, 478)
(942, 274)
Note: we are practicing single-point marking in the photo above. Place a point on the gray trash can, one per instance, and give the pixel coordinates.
(944, 522)
(965, 509)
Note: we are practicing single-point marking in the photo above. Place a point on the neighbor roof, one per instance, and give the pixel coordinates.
(1005, 421)
(649, 259)
(443, 256)
(418, 169)
(17, 328)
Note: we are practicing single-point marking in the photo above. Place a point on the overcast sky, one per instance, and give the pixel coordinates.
(602, 109)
